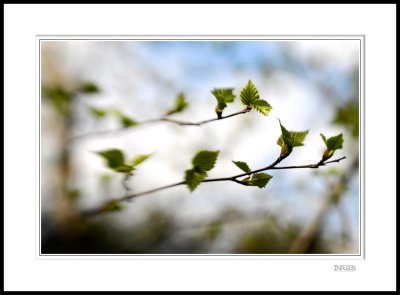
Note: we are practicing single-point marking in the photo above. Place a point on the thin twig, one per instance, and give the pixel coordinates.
(162, 119)
(231, 178)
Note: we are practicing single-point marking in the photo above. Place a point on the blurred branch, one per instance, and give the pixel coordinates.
(183, 123)
(162, 119)
(106, 206)
(309, 233)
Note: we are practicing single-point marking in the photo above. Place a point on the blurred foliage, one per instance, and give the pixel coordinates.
(125, 121)
(97, 112)
(59, 97)
(88, 87)
(159, 232)
(268, 237)
(348, 115)
(74, 194)
(180, 105)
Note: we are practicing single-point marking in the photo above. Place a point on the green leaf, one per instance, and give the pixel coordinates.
(262, 106)
(205, 160)
(193, 178)
(249, 94)
(98, 113)
(88, 87)
(125, 120)
(242, 165)
(323, 138)
(180, 105)
(202, 162)
(114, 157)
(285, 137)
(139, 159)
(291, 139)
(333, 143)
(260, 179)
(298, 137)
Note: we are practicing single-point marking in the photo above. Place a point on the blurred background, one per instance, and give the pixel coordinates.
(310, 84)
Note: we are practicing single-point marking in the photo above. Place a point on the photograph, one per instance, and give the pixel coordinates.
(214, 146)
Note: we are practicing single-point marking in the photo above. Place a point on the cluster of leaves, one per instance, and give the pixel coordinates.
(116, 161)
(202, 162)
(251, 99)
(257, 179)
(205, 160)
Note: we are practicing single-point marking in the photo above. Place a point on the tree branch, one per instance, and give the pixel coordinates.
(103, 208)
(162, 119)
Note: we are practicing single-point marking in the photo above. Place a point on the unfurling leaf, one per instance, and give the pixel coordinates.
(290, 139)
(223, 96)
(202, 162)
(139, 159)
(180, 105)
(205, 160)
(88, 87)
(114, 157)
(260, 179)
(249, 94)
(242, 165)
(194, 178)
(98, 113)
(332, 144)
